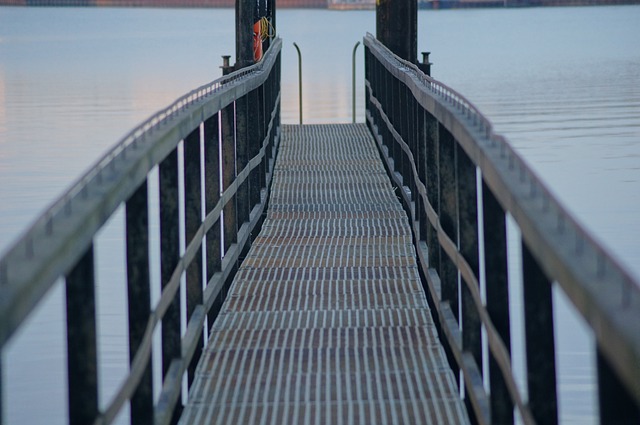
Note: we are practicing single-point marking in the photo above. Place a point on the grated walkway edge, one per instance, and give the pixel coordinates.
(326, 320)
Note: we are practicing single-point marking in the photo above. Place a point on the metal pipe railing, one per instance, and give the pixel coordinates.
(299, 80)
(434, 141)
(353, 82)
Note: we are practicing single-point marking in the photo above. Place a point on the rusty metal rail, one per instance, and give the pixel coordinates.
(238, 114)
(436, 144)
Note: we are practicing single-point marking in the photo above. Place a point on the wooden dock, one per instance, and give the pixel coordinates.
(326, 320)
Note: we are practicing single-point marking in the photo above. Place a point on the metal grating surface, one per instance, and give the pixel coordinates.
(326, 320)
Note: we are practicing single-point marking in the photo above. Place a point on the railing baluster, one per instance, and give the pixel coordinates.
(139, 296)
(468, 216)
(421, 158)
(396, 121)
(540, 350)
(392, 82)
(256, 135)
(212, 196)
(229, 174)
(449, 221)
(243, 154)
(389, 106)
(448, 214)
(404, 114)
(169, 257)
(617, 407)
(82, 358)
(193, 220)
(433, 185)
(258, 178)
(407, 169)
(497, 290)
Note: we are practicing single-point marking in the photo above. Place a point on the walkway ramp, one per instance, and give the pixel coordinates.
(326, 321)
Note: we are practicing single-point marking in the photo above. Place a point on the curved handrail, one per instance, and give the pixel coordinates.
(604, 292)
(63, 235)
(31, 265)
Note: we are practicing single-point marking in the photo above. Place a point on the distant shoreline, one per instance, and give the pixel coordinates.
(316, 4)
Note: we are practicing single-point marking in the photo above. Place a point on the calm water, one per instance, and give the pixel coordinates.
(563, 84)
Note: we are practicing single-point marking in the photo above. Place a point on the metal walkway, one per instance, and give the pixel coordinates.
(326, 320)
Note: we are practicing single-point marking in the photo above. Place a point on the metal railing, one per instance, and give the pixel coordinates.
(436, 144)
(236, 118)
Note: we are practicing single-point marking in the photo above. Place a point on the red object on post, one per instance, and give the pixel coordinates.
(257, 42)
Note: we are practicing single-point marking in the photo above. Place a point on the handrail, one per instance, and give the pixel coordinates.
(138, 142)
(60, 238)
(600, 288)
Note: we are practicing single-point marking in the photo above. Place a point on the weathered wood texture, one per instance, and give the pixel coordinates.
(326, 320)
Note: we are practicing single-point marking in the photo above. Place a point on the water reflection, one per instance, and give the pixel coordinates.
(561, 84)
(3, 105)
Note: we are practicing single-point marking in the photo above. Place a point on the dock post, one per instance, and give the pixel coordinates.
(397, 27)
(244, 33)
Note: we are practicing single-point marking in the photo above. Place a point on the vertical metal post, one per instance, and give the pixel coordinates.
(139, 296)
(469, 248)
(268, 95)
(211, 198)
(497, 290)
(448, 215)
(449, 221)
(193, 220)
(299, 79)
(396, 96)
(229, 174)
(433, 185)
(265, 118)
(617, 406)
(82, 355)
(403, 128)
(353, 81)
(256, 136)
(169, 256)
(416, 147)
(421, 160)
(369, 75)
(228, 146)
(243, 142)
(410, 140)
(540, 349)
